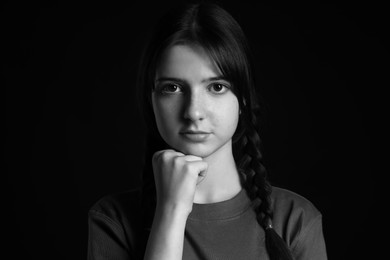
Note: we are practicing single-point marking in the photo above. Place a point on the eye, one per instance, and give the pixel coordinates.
(169, 88)
(218, 88)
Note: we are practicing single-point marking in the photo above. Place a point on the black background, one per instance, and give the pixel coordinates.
(74, 132)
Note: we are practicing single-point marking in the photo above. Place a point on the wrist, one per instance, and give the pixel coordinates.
(166, 237)
(172, 211)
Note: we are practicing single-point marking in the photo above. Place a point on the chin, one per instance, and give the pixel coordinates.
(200, 150)
(196, 150)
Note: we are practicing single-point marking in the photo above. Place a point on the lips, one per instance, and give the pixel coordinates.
(195, 135)
(193, 132)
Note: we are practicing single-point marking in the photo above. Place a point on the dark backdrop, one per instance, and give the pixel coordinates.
(74, 132)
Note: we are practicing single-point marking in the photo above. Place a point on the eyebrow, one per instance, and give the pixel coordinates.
(184, 81)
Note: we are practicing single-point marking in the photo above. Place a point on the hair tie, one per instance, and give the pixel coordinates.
(269, 226)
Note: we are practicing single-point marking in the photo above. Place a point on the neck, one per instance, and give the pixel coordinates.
(222, 181)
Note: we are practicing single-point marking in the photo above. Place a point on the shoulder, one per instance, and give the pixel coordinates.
(286, 200)
(293, 214)
(119, 206)
(115, 225)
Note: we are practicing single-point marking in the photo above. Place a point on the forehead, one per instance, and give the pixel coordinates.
(186, 61)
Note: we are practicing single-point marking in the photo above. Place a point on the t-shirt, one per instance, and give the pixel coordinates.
(224, 230)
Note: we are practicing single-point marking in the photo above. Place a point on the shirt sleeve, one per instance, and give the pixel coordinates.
(106, 239)
(311, 244)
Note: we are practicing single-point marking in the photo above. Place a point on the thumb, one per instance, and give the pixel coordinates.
(203, 166)
(202, 170)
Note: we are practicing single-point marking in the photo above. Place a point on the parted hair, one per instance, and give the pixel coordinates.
(218, 33)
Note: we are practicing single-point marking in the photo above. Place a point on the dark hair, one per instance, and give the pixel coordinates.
(216, 31)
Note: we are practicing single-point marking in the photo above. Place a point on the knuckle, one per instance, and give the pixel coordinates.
(164, 156)
(187, 167)
(177, 162)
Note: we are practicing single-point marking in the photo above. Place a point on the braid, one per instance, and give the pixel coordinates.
(250, 164)
(254, 178)
(224, 41)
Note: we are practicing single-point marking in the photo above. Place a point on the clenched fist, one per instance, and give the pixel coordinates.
(176, 176)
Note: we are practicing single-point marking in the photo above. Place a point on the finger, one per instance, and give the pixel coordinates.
(167, 153)
(201, 167)
(202, 175)
(174, 152)
(200, 179)
(157, 154)
(192, 158)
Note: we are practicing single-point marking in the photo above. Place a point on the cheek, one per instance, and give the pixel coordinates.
(165, 113)
(227, 114)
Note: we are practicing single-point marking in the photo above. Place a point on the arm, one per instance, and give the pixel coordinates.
(167, 235)
(311, 243)
(176, 176)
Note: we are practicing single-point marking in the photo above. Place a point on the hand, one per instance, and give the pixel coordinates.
(176, 176)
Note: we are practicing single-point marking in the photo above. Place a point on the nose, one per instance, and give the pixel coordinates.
(194, 107)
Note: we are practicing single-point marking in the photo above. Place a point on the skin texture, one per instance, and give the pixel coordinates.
(195, 102)
(190, 96)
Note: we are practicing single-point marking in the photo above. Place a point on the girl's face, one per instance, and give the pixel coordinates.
(195, 109)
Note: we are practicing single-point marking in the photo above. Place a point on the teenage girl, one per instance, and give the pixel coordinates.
(205, 193)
